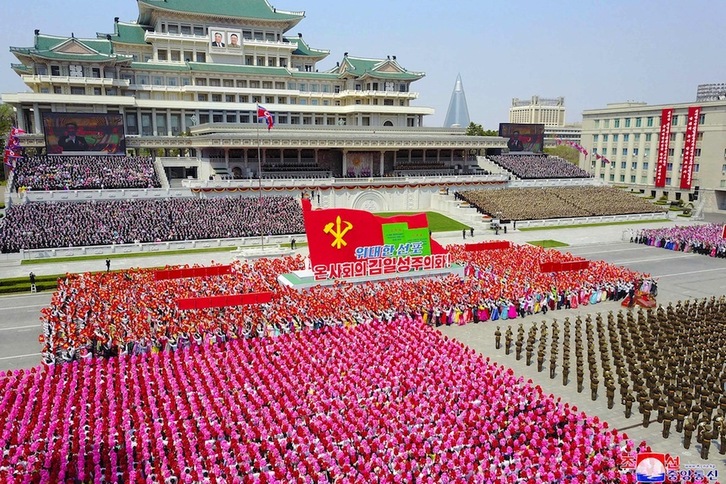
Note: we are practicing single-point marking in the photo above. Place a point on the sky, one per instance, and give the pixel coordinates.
(589, 52)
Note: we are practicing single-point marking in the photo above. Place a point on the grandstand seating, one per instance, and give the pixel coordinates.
(556, 202)
(72, 224)
(85, 172)
(539, 166)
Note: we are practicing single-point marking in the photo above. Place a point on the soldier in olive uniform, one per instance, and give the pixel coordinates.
(628, 400)
(508, 340)
(688, 429)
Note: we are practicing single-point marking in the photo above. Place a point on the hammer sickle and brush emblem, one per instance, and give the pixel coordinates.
(338, 233)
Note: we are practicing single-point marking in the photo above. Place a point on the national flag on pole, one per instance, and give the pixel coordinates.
(264, 113)
(12, 147)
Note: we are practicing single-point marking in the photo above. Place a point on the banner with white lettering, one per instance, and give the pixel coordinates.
(689, 149)
(664, 143)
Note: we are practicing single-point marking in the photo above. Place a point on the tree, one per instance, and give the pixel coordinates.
(7, 119)
(476, 130)
(565, 152)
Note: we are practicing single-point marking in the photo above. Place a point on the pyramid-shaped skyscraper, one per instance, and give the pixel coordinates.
(458, 114)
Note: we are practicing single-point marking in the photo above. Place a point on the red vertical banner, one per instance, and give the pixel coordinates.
(689, 149)
(664, 143)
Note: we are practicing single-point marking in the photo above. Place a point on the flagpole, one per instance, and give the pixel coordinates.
(259, 182)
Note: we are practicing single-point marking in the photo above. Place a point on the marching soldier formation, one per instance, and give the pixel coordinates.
(671, 361)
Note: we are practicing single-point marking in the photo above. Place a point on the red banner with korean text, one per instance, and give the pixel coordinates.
(223, 301)
(181, 273)
(689, 149)
(346, 242)
(664, 144)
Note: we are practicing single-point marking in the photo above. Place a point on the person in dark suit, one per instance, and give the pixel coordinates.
(72, 141)
(218, 40)
(514, 143)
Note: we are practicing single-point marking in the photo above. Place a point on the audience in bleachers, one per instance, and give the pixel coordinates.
(705, 239)
(85, 172)
(51, 224)
(559, 202)
(539, 166)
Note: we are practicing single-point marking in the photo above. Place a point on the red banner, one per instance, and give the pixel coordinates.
(165, 274)
(343, 242)
(664, 144)
(689, 150)
(578, 265)
(491, 245)
(223, 301)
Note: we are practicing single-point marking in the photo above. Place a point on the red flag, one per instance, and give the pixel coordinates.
(264, 113)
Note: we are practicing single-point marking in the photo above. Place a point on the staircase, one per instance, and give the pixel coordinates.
(159, 168)
(458, 210)
(488, 165)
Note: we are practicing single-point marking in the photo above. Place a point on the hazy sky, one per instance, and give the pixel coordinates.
(592, 53)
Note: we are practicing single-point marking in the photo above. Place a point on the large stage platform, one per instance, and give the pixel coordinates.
(305, 279)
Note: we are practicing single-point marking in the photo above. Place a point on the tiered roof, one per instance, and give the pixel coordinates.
(232, 9)
(362, 68)
(50, 47)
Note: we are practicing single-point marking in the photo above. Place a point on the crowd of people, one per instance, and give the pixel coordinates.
(50, 224)
(559, 202)
(705, 239)
(668, 362)
(384, 401)
(530, 167)
(130, 312)
(85, 173)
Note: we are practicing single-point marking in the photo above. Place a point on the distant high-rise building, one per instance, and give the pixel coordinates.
(458, 114)
(711, 92)
(538, 110)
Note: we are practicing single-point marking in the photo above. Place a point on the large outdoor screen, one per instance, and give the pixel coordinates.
(523, 137)
(76, 133)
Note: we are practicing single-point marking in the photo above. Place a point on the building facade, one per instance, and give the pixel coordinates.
(550, 112)
(711, 92)
(624, 142)
(189, 69)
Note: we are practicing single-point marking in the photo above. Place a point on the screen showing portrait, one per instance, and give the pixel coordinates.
(523, 137)
(74, 133)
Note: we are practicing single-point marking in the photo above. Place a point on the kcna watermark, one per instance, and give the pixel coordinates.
(656, 467)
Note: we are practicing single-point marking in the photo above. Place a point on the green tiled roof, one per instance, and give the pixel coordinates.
(304, 49)
(21, 68)
(208, 67)
(251, 9)
(150, 66)
(127, 33)
(361, 67)
(50, 42)
(394, 75)
(237, 69)
(314, 75)
(50, 47)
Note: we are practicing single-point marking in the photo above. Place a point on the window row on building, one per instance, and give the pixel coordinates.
(173, 123)
(647, 121)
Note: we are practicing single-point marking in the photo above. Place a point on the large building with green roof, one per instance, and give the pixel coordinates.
(187, 77)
